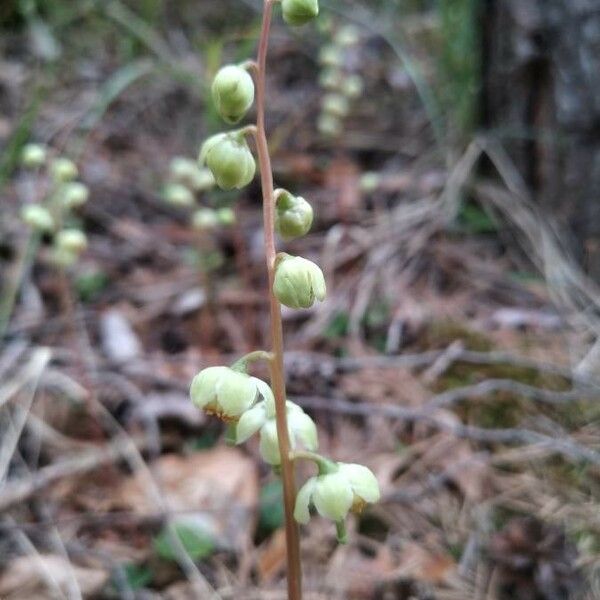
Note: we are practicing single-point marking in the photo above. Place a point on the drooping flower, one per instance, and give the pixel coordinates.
(233, 92)
(293, 215)
(37, 217)
(230, 160)
(348, 488)
(301, 428)
(298, 282)
(225, 392)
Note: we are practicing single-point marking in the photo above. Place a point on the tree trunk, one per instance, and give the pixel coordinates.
(542, 101)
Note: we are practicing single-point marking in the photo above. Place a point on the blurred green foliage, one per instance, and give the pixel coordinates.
(271, 515)
(460, 65)
(192, 536)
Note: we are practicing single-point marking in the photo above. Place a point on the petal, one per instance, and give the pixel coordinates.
(204, 385)
(363, 482)
(319, 286)
(301, 512)
(236, 393)
(250, 422)
(265, 391)
(333, 496)
(269, 443)
(304, 428)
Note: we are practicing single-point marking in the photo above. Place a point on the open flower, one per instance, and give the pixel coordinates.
(262, 418)
(226, 393)
(348, 488)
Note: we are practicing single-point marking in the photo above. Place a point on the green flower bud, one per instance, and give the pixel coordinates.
(226, 393)
(298, 282)
(177, 194)
(37, 217)
(204, 219)
(74, 194)
(71, 240)
(352, 86)
(335, 105)
(347, 36)
(331, 56)
(348, 489)
(230, 160)
(63, 170)
(33, 156)
(331, 79)
(293, 215)
(299, 12)
(226, 216)
(329, 126)
(233, 93)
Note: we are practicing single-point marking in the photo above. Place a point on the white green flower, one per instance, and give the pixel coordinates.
(74, 194)
(226, 393)
(186, 171)
(71, 240)
(293, 215)
(63, 170)
(349, 488)
(204, 219)
(33, 156)
(230, 160)
(301, 428)
(177, 194)
(335, 105)
(37, 217)
(298, 282)
(233, 92)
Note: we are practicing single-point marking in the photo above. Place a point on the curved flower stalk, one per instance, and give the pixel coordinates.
(247, 403)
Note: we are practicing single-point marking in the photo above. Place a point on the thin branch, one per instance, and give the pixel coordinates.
(566, 447)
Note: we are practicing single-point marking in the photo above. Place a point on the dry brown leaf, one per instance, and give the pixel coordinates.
(271, 557)
(420, 563)
(455, 459)
(28, 577)
(221, 484)
(358, 575)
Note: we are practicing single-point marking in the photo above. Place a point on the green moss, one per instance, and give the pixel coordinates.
(442, 333)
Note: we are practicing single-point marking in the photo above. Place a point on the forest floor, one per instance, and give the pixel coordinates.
(452, 355)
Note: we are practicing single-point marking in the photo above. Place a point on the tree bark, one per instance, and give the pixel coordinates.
(541, 85)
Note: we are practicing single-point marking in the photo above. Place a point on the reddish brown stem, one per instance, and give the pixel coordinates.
(294, 571)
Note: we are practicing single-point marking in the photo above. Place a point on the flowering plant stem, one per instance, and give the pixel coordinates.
(294, 572)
